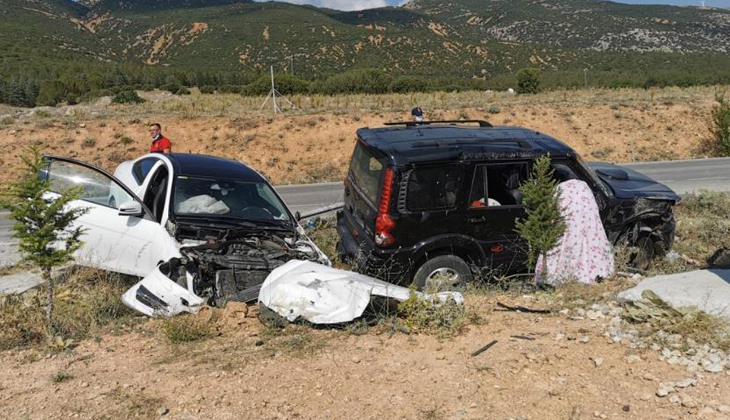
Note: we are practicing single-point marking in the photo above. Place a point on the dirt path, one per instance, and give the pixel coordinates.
(315, 146)
(569, 371)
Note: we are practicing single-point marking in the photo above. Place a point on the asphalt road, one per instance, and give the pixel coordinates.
(681, 176)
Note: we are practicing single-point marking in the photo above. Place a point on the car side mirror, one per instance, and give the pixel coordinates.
(298, 216)
(131, 208)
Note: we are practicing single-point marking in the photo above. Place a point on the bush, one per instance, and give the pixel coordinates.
(528, 81)
(408, 84)
(230, 89)
(285, 84)
(207, 89)
(370, 81)
(127, 97)
(720, 125)
(427, 315)
(51, 92)
(171, 87)
(187, 328)
(182, 90)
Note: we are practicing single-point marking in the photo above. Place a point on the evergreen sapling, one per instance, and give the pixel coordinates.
(543, 225)
(43, 225)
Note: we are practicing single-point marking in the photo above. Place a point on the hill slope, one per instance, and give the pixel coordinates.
(463, 38)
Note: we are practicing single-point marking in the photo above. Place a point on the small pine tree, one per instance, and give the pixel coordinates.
(544, 225)
(43, 225)
(528, 81)
(720, 125)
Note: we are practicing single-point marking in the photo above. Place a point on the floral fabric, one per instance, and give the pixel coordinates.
(583, 253)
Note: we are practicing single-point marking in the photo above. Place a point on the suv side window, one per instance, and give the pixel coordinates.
(498, 185)
(433, 187)
(142, 168)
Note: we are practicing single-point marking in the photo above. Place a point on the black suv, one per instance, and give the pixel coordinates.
(441, 197)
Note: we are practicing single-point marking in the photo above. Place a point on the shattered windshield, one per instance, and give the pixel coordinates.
(227, 198)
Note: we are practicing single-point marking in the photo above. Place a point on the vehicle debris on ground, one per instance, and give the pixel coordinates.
(324, 295)
(706, 290)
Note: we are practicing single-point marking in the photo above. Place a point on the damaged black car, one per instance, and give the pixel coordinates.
(425, 199)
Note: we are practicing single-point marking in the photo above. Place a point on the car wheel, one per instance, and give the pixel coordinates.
(646, 250)
(445, 272)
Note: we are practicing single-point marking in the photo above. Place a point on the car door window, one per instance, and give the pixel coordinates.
(433, 187)
(94, 186)
(142, 168)
(496, 185)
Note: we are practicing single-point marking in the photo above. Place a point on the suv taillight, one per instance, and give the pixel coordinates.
(383, 222)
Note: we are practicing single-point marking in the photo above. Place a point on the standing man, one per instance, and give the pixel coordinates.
(160, 143)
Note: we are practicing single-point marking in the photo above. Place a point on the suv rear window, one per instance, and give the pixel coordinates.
(366, 169)
(433, 187)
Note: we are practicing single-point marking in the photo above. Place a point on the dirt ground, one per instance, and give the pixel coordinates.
(315, 144)
(560, 367)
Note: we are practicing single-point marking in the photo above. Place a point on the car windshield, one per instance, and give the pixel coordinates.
(227, 198)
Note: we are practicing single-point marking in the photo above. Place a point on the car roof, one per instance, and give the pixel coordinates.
(416, 143)
(212, 167)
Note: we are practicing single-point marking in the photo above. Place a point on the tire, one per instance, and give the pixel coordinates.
(445, 265)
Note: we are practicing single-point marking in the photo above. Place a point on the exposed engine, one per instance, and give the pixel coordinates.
(233, 269)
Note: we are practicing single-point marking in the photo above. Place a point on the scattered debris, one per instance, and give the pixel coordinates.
(523, 337)
(326, 295)
(520, 308)
(720, 259)
(706, 290)
(483, 349)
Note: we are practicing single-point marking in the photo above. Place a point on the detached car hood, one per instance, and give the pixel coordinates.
(627, 183)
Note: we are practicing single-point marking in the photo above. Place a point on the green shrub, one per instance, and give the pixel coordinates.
(187, 328)
(285, 84)
(182, 90)
(207, 89)
(369, 81)
(127, 97)
(528, 81)
(720, 125)
(544, 224)
(430, 315)
(409, 84)
(229, 89)
(51, 92)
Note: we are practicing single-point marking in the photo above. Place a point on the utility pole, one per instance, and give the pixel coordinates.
(273, 93)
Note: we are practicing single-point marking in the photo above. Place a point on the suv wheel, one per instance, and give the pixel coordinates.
(442, 273)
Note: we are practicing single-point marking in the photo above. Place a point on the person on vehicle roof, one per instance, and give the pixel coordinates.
(160, 143)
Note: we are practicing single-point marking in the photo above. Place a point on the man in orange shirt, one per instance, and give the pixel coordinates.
(160, 143)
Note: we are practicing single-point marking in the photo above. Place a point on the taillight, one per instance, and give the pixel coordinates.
(384, 224)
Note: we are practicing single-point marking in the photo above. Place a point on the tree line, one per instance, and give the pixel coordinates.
(78, 83)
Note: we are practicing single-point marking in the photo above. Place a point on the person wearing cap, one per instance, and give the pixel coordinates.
(160, 143)
(417, 114)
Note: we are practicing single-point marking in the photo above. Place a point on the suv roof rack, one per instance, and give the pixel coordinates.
(482, 123)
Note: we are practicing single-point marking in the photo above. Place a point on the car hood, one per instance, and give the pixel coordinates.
(627, 183)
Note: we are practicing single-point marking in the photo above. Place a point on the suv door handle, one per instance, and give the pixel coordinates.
(480, 219)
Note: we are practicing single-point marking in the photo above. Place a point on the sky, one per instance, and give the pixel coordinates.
(368, 4)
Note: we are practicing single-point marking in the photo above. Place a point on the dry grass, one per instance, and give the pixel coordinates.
(87, 304)
(187, 328)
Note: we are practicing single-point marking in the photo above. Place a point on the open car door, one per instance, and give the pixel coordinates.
(120, 233)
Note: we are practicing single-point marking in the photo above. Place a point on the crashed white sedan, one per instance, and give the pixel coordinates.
(198, 229)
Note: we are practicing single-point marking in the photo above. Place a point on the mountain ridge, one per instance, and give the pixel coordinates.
(436, 38)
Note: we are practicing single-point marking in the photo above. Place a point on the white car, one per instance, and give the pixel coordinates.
(198, 229)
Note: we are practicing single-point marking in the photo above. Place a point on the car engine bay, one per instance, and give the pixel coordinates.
(231, 264)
